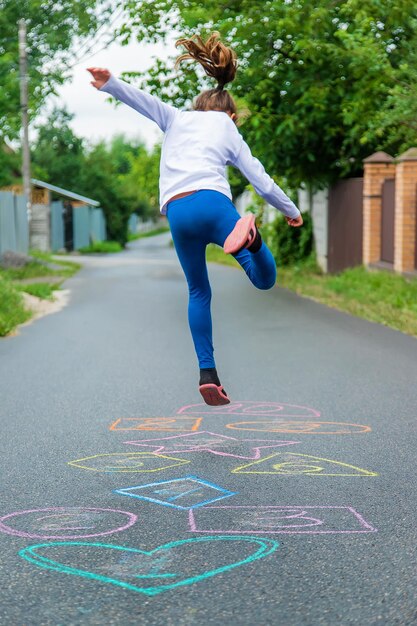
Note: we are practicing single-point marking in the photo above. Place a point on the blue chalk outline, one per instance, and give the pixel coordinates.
(267, 547)
(226, 493)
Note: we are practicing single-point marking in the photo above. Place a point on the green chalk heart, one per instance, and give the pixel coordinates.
(170, 565)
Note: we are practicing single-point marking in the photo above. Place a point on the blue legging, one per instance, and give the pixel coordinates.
(196, 220)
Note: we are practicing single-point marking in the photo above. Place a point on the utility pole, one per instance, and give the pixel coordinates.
(25, 118)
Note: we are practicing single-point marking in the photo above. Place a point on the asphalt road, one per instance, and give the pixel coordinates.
(238, 526)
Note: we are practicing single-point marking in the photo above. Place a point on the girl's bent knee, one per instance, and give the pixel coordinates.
(267, 282)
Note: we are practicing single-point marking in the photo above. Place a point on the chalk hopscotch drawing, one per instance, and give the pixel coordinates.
(166, 567)
(301, 427)
(128, 462)
(213, 443)
(290, 464)
(292, 520)
(184, 493)
(66, 522)
(168, 424)
(262, 409)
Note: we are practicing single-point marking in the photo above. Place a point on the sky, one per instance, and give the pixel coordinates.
(95, 118)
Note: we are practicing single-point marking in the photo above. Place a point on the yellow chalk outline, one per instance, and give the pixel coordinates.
(129, 454)
(238, 470)
(159, 420)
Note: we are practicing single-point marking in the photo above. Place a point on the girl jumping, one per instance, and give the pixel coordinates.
(195, 194)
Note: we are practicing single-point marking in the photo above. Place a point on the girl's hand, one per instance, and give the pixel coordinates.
(294, 221)
(100, 75)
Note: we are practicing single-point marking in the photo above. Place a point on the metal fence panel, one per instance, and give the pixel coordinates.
(388, 220)
(81, 224)
(103, 226)
(97, 225)
(57, 226)
(133, 224)
(345, 224)
(7, 222)
(21, 223)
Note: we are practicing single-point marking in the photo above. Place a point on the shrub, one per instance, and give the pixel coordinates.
(102, 247)
(289, 245)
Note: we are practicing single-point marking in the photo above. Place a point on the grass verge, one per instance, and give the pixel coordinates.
(101, 247)
(150, 233)
(12, 309)
(376, 296)
(45, 291)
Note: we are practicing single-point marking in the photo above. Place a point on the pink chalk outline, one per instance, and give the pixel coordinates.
(246, 407)
(367, 527)
(189, 447)
(4, 528)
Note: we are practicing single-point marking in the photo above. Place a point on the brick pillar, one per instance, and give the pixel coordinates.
(377, 168)
(405, 212)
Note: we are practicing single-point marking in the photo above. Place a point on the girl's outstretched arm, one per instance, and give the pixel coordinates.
(146, 104)
(263, 184)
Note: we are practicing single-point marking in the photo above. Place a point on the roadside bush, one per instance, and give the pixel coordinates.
(102, 247)
(289, 245)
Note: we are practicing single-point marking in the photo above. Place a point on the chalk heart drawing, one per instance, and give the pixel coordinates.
(290, 464)
(301, 427)
(168, 424)
(180, 493)
(66, 522)
(128, 462)
(167, 567)
(213, 443)
(262, 409)
(290, 520)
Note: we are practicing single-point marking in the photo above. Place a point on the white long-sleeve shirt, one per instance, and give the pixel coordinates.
(197, 147)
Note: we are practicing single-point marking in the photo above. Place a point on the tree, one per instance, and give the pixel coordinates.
(397, 118)
(121, 174)
(9, 165)
(141, 181)
(52, 29)
(314, 75)
(58, 154)
(100, 181)
(123, 177)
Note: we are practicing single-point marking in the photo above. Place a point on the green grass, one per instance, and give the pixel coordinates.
(12, 310)
(45, 291)
(150, 233)
(215, 254)
(31, 270)
(377, 296)
(102, 247)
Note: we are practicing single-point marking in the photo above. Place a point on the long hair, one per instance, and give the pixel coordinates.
(219, 62)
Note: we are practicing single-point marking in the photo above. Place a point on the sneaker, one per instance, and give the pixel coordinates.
(242, 236)
(214, 395)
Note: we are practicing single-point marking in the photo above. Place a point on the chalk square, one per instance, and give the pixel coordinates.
(164, 424)
(189, 492)
(290, 520)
